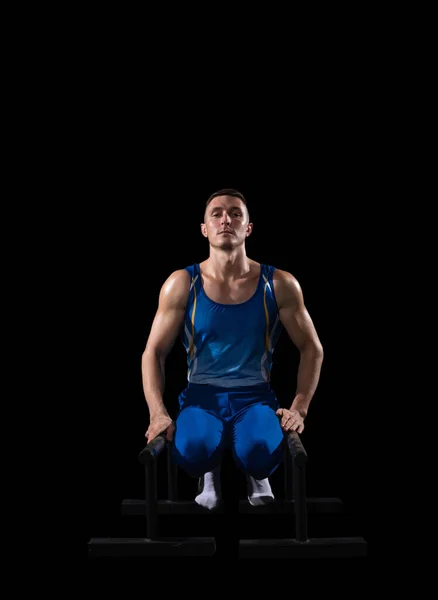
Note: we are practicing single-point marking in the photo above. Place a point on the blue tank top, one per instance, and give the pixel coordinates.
(231, 345)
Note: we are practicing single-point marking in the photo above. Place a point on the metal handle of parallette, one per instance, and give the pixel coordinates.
(153, 449)
(296, 448)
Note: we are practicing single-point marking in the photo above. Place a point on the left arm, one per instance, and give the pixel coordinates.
(299, 326)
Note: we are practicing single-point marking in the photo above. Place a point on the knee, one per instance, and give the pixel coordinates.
(195, 454)
(195, 461)
(259, 460)
(197, 441)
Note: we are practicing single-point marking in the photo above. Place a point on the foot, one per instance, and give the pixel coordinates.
(259, 491)
(209, 488)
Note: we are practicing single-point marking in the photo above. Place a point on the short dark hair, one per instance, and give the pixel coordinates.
(227, 192)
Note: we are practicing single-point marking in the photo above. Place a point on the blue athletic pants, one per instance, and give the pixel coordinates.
(243, 419)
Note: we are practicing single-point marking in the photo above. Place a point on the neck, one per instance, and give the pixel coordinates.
(227, 265)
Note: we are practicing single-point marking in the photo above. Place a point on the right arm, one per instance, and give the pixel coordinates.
(166, 326)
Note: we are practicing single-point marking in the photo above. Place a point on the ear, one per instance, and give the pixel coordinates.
(249, 229)
(204, 230)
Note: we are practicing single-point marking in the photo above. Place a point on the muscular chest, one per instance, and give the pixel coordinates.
(230, 293)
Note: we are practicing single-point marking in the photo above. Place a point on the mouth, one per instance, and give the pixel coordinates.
(226, 232)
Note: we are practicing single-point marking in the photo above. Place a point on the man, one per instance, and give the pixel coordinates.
(229, 311)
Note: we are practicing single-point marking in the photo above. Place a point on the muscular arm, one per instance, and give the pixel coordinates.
(300, 328)
(165, 328)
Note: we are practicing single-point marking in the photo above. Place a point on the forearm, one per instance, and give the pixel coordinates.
(309, 370)
(153, 375)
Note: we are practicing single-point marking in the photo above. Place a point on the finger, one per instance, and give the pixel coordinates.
(298, 427)
(155, 432)
(292, 425)
(152, 434)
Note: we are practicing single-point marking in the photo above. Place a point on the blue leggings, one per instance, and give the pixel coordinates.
(213, 418)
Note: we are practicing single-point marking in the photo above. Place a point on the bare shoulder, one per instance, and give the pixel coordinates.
(175, 290)
(287, 288)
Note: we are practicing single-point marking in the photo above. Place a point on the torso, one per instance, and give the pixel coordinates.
(233, 291)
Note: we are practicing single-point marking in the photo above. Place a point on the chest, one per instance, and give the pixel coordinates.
(234, 292)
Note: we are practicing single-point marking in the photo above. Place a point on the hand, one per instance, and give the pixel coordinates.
(291, 420)
(157, 425)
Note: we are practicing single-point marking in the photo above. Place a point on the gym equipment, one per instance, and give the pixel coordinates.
(295, 503)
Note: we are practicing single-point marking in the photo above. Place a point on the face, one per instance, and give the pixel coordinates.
(226, 222)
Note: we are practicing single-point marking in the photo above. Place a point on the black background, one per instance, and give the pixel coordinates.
(304, 222)
(310, 178)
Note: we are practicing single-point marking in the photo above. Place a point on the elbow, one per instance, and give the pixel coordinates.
(314, 350)
(319, 353)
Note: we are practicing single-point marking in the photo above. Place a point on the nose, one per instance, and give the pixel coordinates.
(225, 218)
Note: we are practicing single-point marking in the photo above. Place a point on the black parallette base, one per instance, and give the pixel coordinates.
(129, 547)
(312, 548)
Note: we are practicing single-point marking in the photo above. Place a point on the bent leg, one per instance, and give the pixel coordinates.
(257, 441)
(198, 441)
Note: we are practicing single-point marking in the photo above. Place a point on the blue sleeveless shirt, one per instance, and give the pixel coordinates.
(231, 345)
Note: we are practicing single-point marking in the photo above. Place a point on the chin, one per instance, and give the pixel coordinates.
(225, 245)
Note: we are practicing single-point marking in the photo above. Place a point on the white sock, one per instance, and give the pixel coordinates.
(259, 491)
(210, 489)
